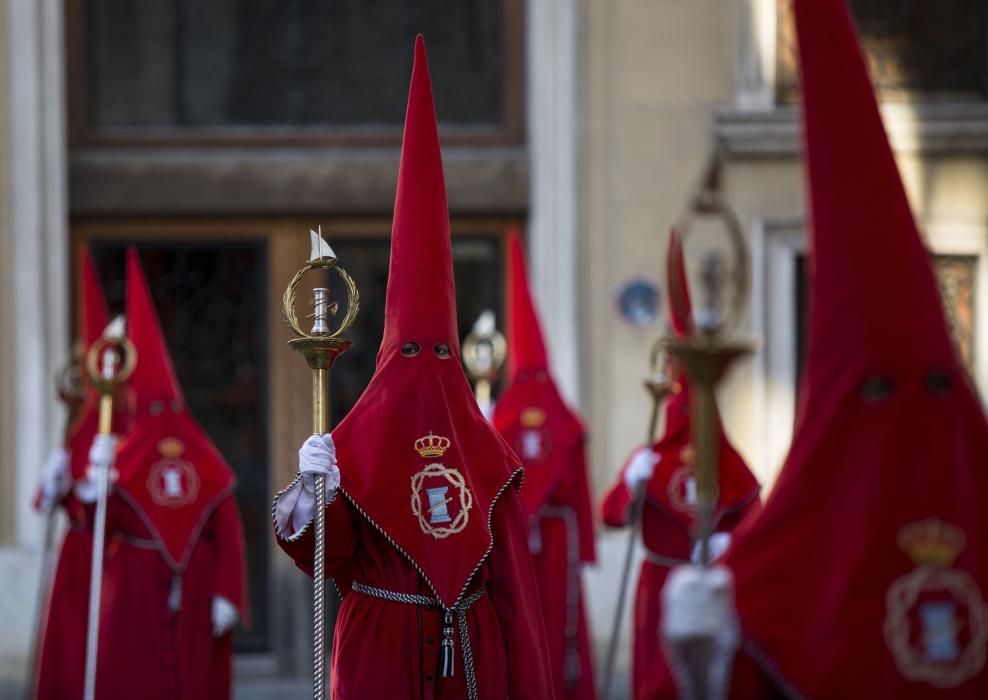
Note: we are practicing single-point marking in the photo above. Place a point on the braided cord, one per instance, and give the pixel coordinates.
(460, 609)
(319, 594)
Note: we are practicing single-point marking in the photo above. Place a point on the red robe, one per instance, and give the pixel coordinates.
(147, 649)
(562, 540)
(383, 649)
(534, 420)
(866, 575)
(667, 542)
(62, 661)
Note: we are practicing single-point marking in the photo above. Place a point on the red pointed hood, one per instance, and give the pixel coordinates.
(526, 347)
(170, 472)
(530, 414)
(672, 486)
(877, 524)
(154, 380)
(91, 319)
(416, 456)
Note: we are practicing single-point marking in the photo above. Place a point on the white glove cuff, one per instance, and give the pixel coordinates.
(294, 507)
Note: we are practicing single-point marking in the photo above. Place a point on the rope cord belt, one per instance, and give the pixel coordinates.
(447, 643)
(662, 560)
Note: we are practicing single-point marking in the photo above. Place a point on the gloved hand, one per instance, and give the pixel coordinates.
(224, 616)
(103, 452)
(102, 455)
(640, 468)
(293, 507)
(55, 480)
(717, 544)
(699, 620)
(317, 456)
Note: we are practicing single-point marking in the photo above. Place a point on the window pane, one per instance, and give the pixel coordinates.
(288, 62)
(210, 300)
(956, 275)
(926, 48)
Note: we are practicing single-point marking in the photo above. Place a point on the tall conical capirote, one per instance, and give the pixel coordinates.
(171, 474)
(887, 464)
(530, 414)
(873, 294)
(417, 429)
(92, 319)
(526, 346)
(421, 294)
(154, 381)
(93, 316)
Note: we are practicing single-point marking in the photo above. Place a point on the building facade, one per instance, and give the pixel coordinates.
(214, 135)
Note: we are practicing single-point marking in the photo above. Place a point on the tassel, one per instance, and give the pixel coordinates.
(447, 664)
(175, 595)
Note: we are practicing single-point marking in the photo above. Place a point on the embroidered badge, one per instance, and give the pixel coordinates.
(441, 500)
(532, 442)
(936, 622)
(682, 489)
(172, 481)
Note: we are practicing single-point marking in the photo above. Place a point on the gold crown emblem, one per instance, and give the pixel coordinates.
(432, 445)
(932, 542)
(171, 447)
(532, 417)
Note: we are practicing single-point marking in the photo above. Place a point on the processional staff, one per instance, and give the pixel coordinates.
(320, 347)
(705, 355)
(484, 352)
(109, 362)
(658, 388)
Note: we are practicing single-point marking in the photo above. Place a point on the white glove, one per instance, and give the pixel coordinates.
(317, 456)
(699, 622)
(717, 544)
(102, 455)
(55, 480)
(640, 468)
(103, 452)
(293, 507)
(225, 616)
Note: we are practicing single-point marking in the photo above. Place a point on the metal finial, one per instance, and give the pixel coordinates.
(320, 297)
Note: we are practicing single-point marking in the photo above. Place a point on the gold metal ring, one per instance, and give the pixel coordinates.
(125, 350)
(288, 299)
(708, 202)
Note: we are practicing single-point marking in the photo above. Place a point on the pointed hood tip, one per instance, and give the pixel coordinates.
(527, 349)
(154, 377)
(680, 304)
(860, 303)
(421, 265)
(93, 314)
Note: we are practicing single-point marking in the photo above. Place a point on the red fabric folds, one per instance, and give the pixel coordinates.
(170, 472)
(866, 574)
(416, 438)
(533, 418)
